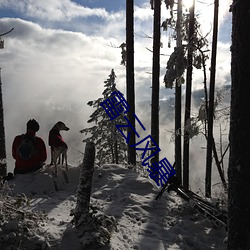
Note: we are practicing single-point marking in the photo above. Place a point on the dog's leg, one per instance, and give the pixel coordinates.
(55, 158)
(66, 161)
(56, 170)
(63, 157)
(59, 159)
(51, 155)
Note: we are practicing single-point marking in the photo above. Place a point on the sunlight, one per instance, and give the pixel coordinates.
(187, 3)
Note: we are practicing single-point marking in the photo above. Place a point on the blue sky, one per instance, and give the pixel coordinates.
(109, 5)
(67, 14)
(61, 52)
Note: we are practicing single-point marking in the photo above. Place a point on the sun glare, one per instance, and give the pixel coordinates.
(188, 3)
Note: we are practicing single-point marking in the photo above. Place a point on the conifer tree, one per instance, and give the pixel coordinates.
(188, 39)
(156, 76)
(238, 169)
(110, 144)
(3, 165)
(130, 86)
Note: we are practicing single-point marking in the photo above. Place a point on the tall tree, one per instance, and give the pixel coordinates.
(156, 76)
(239, 159)
(175, 69)
(211, 102)
(188, 96)
(130, 85)
(178, 91)
(3, 162)
(110, 144)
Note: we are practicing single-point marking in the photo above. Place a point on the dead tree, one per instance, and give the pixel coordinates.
(93, 231)
(211, 103)
(84, 187)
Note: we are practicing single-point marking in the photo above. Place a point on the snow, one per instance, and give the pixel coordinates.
(141, 221)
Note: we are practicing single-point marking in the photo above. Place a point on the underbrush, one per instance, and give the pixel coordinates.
(20, 228)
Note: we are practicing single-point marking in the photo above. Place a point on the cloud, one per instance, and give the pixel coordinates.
(47, 71)
(53, 64)
(56, 10)
(143, 12)
(50, 75)
(205, 13)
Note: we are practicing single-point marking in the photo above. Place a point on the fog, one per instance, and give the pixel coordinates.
(51, 69)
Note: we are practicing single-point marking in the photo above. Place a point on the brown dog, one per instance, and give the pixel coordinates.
(57, 145)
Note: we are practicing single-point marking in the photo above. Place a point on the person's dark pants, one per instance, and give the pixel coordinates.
(25, 171)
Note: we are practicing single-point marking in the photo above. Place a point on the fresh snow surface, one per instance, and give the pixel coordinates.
(141, 221)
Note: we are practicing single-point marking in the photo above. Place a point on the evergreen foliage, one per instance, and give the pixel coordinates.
(110, 144)
(177, 63)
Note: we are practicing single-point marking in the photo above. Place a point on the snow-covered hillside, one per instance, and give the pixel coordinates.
(141, 221)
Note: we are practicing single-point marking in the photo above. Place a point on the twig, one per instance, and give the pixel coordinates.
(6, 32)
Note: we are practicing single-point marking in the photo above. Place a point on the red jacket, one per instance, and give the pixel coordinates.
(37, 159)
(55, 139)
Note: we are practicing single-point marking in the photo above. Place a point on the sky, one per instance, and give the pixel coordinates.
(61, 51)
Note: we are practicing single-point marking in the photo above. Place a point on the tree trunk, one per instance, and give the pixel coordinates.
(156, 76)
(188, 98)
(93, 231)
(130, 77)
(217, 162)
(83, 192)
(112, 152)
(3, 162)
(178, 100)
(116, 149)
(211, 103)
(239, 159)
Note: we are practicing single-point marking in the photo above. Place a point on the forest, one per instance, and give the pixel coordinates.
(206, 127)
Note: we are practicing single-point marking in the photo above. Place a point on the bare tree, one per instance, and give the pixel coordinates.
(84, 186)
(93, 231)
(239, 159)
(210, 140)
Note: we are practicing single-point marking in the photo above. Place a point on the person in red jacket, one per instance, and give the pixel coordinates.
(29, 150)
